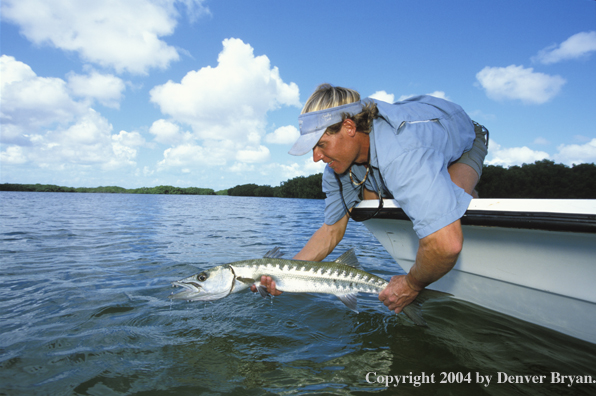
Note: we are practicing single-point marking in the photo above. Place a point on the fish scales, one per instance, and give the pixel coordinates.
(341, 278)
(310, 276)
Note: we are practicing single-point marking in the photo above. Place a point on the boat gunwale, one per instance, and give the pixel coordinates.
(522, 219)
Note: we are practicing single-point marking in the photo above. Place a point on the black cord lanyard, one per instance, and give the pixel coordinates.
(375, 185)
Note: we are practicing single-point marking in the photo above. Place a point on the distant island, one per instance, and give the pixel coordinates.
(542, 179)
(298, 187)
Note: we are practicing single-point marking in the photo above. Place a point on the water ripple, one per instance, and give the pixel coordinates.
(85, 280)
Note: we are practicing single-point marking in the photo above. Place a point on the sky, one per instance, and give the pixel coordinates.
(207, 93)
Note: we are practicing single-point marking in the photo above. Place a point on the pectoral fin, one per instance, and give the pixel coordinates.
(351, 300)
(247, 281)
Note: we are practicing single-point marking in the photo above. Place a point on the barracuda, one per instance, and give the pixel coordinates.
(341, 278)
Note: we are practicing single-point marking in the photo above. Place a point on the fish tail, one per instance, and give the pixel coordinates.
(414, 310)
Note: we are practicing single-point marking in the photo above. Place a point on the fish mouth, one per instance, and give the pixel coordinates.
(191, 291)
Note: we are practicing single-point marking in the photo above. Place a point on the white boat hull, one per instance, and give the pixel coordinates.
(543, 277)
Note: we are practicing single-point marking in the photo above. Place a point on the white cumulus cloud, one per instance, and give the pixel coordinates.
(30, 102)
(436, 94)
(519, 83)
(384, 96)
(167, 132)
(43, 124)
(13, 155)
(124, 35)
(283, 135)
(185, 154)
(307, 168)
(508, 156)
(227, 104)
(567, 154)
(576, 46)
(576, 153)
(105, 88)
(252, 155)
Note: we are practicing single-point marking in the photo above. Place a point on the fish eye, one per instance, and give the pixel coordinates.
(202, 277)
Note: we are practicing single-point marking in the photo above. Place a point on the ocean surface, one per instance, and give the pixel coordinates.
(84, 310)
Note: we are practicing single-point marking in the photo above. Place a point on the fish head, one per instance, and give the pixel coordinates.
(209, 285)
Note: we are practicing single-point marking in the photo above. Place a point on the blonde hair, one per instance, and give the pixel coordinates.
(327, 96)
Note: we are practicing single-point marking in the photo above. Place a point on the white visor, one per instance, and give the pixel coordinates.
(314, 124)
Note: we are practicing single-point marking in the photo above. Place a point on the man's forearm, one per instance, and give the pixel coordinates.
(436, 256)
(323, 241)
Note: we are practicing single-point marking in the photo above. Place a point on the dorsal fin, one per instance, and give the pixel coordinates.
(274, 253)
(348, 258)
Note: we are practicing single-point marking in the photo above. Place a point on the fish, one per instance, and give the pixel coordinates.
(343, 278)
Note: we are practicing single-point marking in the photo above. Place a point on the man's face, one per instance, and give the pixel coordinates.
(337, 150)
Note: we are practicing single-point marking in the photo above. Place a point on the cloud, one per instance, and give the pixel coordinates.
(517, 83)
(312, 167)
(183, 155)
(29, 101)
(44, 125)
(14, 71)
(568, 154)
(581, 138)
(439, 94)
(240, 167)
(260, 154)
(576, 153)
(503, 156)
(228, 104)
(436, 94)
(13, 155)
(480, 115)
(307, 168)
(167, 132)
(124, 35)
(576, 46)
(105, 88)
(283, 135)
(384, 96)
(541, 141)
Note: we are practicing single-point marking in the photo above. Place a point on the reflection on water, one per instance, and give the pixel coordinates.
(85, 280)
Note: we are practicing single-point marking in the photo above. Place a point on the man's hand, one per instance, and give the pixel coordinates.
(397, 294)
(269, 284)
(436, 256)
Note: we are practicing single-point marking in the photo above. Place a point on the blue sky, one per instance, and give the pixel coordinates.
(207, 93)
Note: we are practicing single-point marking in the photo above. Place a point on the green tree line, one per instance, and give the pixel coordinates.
(542, 179)
(298, 187)
(107, 189)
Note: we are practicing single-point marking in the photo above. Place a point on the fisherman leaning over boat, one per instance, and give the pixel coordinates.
(424, 152)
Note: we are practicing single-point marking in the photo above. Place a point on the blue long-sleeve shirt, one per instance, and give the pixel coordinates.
(411, 146)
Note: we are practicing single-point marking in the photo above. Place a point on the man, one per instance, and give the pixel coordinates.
(424, 152)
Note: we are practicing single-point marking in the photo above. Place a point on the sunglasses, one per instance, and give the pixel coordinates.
(365, 213)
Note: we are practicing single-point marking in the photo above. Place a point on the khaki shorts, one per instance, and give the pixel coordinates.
(475, 156)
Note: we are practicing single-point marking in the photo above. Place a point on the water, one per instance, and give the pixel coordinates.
(84, 283)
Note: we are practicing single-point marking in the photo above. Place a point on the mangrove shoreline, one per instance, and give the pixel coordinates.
(542, 179)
